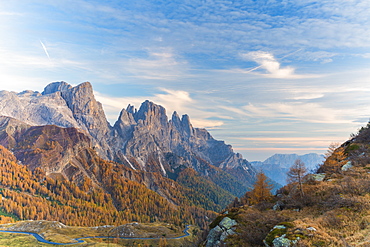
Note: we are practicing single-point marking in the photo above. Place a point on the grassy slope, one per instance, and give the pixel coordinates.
(338, 207)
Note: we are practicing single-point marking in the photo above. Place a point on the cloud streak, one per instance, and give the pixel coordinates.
(45, 50)
(272, 66)
(160, 64)
(172, 100)
(191, 56)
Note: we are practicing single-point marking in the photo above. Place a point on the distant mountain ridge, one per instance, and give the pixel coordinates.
(276, 166)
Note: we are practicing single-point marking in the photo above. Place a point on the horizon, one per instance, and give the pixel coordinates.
(168, 114)
(265, 77)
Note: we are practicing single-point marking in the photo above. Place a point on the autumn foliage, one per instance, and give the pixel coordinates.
(26, 195)
(261, 191)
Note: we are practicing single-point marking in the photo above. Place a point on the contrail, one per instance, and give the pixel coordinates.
(46, 51)
(292, 53)
(253, 69)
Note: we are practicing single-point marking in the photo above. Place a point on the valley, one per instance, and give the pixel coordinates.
(67, 175)
(61, 161)
(48, 233)
(211, 123)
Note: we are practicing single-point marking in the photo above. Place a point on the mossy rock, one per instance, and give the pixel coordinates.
(287, 224)
(216, 221)
(232, 215)
(278, 231)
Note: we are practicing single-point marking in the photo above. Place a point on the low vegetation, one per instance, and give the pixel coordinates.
(159, 234)
(334, 211)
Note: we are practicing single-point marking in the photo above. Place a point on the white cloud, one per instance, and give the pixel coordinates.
(161, 64)
(304, 112)
(308, 96)
(234, 110)
(365, 55)
(172, 100)
(10, 13)
(273, 67)
(289, 150)
(317, 141)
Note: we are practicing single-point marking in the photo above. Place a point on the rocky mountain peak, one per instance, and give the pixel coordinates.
(62, 105)
(131, 109)
(125, 124)
(186, 125)
(176, 120)
(56, 87)
(151, 114)
(140, 139)
(182, 125)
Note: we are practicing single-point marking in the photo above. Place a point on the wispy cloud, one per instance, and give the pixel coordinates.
(10, 13)
(172, 100)
(185, 54)
(160, 64)
(272, 66)
(322, 141)
(306, 112)
(289, 150)
(44, 47)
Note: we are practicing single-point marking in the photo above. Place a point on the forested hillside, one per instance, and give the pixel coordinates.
(144, 168)
(116, 200)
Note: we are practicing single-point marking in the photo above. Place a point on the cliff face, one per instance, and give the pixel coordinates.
(143, 139)
(86, 111)
(154, 143)
(62, 105)
(52, 148)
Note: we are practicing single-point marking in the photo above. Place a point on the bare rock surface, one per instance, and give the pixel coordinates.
(142, 139)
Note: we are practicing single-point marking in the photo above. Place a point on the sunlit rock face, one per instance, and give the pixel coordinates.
(142, 139)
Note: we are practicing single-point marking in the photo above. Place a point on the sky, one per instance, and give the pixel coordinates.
(266, 76)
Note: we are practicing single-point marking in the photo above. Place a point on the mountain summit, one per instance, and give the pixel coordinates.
(141, 139)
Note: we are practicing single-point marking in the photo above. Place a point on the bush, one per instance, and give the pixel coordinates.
(255, 226)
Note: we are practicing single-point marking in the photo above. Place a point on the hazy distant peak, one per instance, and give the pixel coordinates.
(286, 160)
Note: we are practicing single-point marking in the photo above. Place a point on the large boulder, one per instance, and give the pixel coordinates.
(217, 235)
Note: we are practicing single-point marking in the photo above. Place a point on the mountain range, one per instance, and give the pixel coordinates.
(277, 166)
(64, 133)
(329, 207)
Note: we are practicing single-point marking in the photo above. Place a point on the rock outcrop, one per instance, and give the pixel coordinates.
(143, 139)
(62, 105)
(164, 140)
(217, 235)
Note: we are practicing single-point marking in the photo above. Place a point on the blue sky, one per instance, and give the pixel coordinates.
(288, 76)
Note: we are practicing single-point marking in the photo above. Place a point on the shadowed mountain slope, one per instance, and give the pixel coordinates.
(143, 139)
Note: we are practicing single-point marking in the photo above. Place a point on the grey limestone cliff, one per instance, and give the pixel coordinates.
(143, 139)
(62, 105)
(164, 140)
